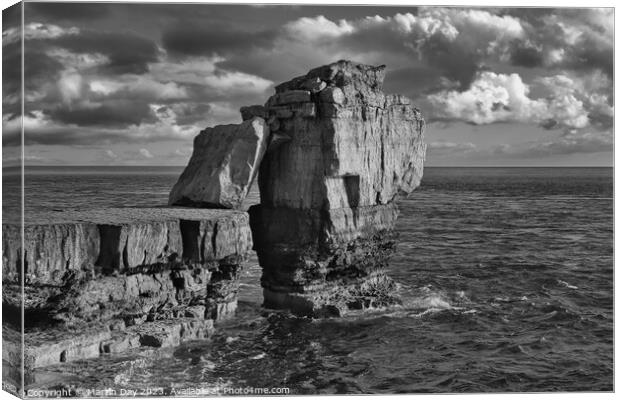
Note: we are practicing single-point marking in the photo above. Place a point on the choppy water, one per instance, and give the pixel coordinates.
(507, 275)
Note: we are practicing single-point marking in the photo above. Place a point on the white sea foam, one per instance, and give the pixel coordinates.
(566, 284)
(258, 356)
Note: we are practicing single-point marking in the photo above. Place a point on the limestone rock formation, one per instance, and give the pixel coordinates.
(129, 276)
(334, 154)
(223, 165)
(324, 229)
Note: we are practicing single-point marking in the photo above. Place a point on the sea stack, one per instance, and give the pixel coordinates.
(323, 231)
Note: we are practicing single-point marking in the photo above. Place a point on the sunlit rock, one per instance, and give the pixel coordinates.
(223, 165)
(324, 229)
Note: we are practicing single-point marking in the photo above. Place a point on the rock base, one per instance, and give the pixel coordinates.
(319, 275)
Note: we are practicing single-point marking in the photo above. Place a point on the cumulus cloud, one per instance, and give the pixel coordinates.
(495, 98)
(36, 30)
(445, 43)
(319, 27)
(452, 41)
(491, 98)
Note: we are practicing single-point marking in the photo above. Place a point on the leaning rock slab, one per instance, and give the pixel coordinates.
(223, 165)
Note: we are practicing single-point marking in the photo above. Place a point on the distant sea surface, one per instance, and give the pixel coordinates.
(506, 273)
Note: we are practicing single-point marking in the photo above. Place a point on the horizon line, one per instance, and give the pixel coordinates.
(427, 166)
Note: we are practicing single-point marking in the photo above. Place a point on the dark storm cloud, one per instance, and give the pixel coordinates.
(531, 15)
(592, 55)
(80, 136)
(67, 11)
(113, 114)
(526, 55)
(12, 16)
(127, 52)
(187, 114)
(414, 81)
(11, 110)
(214, 38)
(11, 68)
(63, 136)
(600, 120)
(39, 67)
(583, 37)
(456, 62)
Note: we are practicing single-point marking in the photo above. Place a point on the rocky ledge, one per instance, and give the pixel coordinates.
(135, 277)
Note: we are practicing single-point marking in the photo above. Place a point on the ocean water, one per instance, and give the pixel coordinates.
(506, 275)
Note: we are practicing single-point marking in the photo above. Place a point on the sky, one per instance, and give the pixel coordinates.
(132, 84)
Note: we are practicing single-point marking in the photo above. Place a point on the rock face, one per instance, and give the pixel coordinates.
(324, 229)
(134, 276)
(223, 165)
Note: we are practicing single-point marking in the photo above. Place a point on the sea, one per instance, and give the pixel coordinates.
(506, 276)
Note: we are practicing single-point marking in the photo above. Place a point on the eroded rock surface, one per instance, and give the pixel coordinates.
(149, 276)
(52, 346)
(223, 165)
(324, 229)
